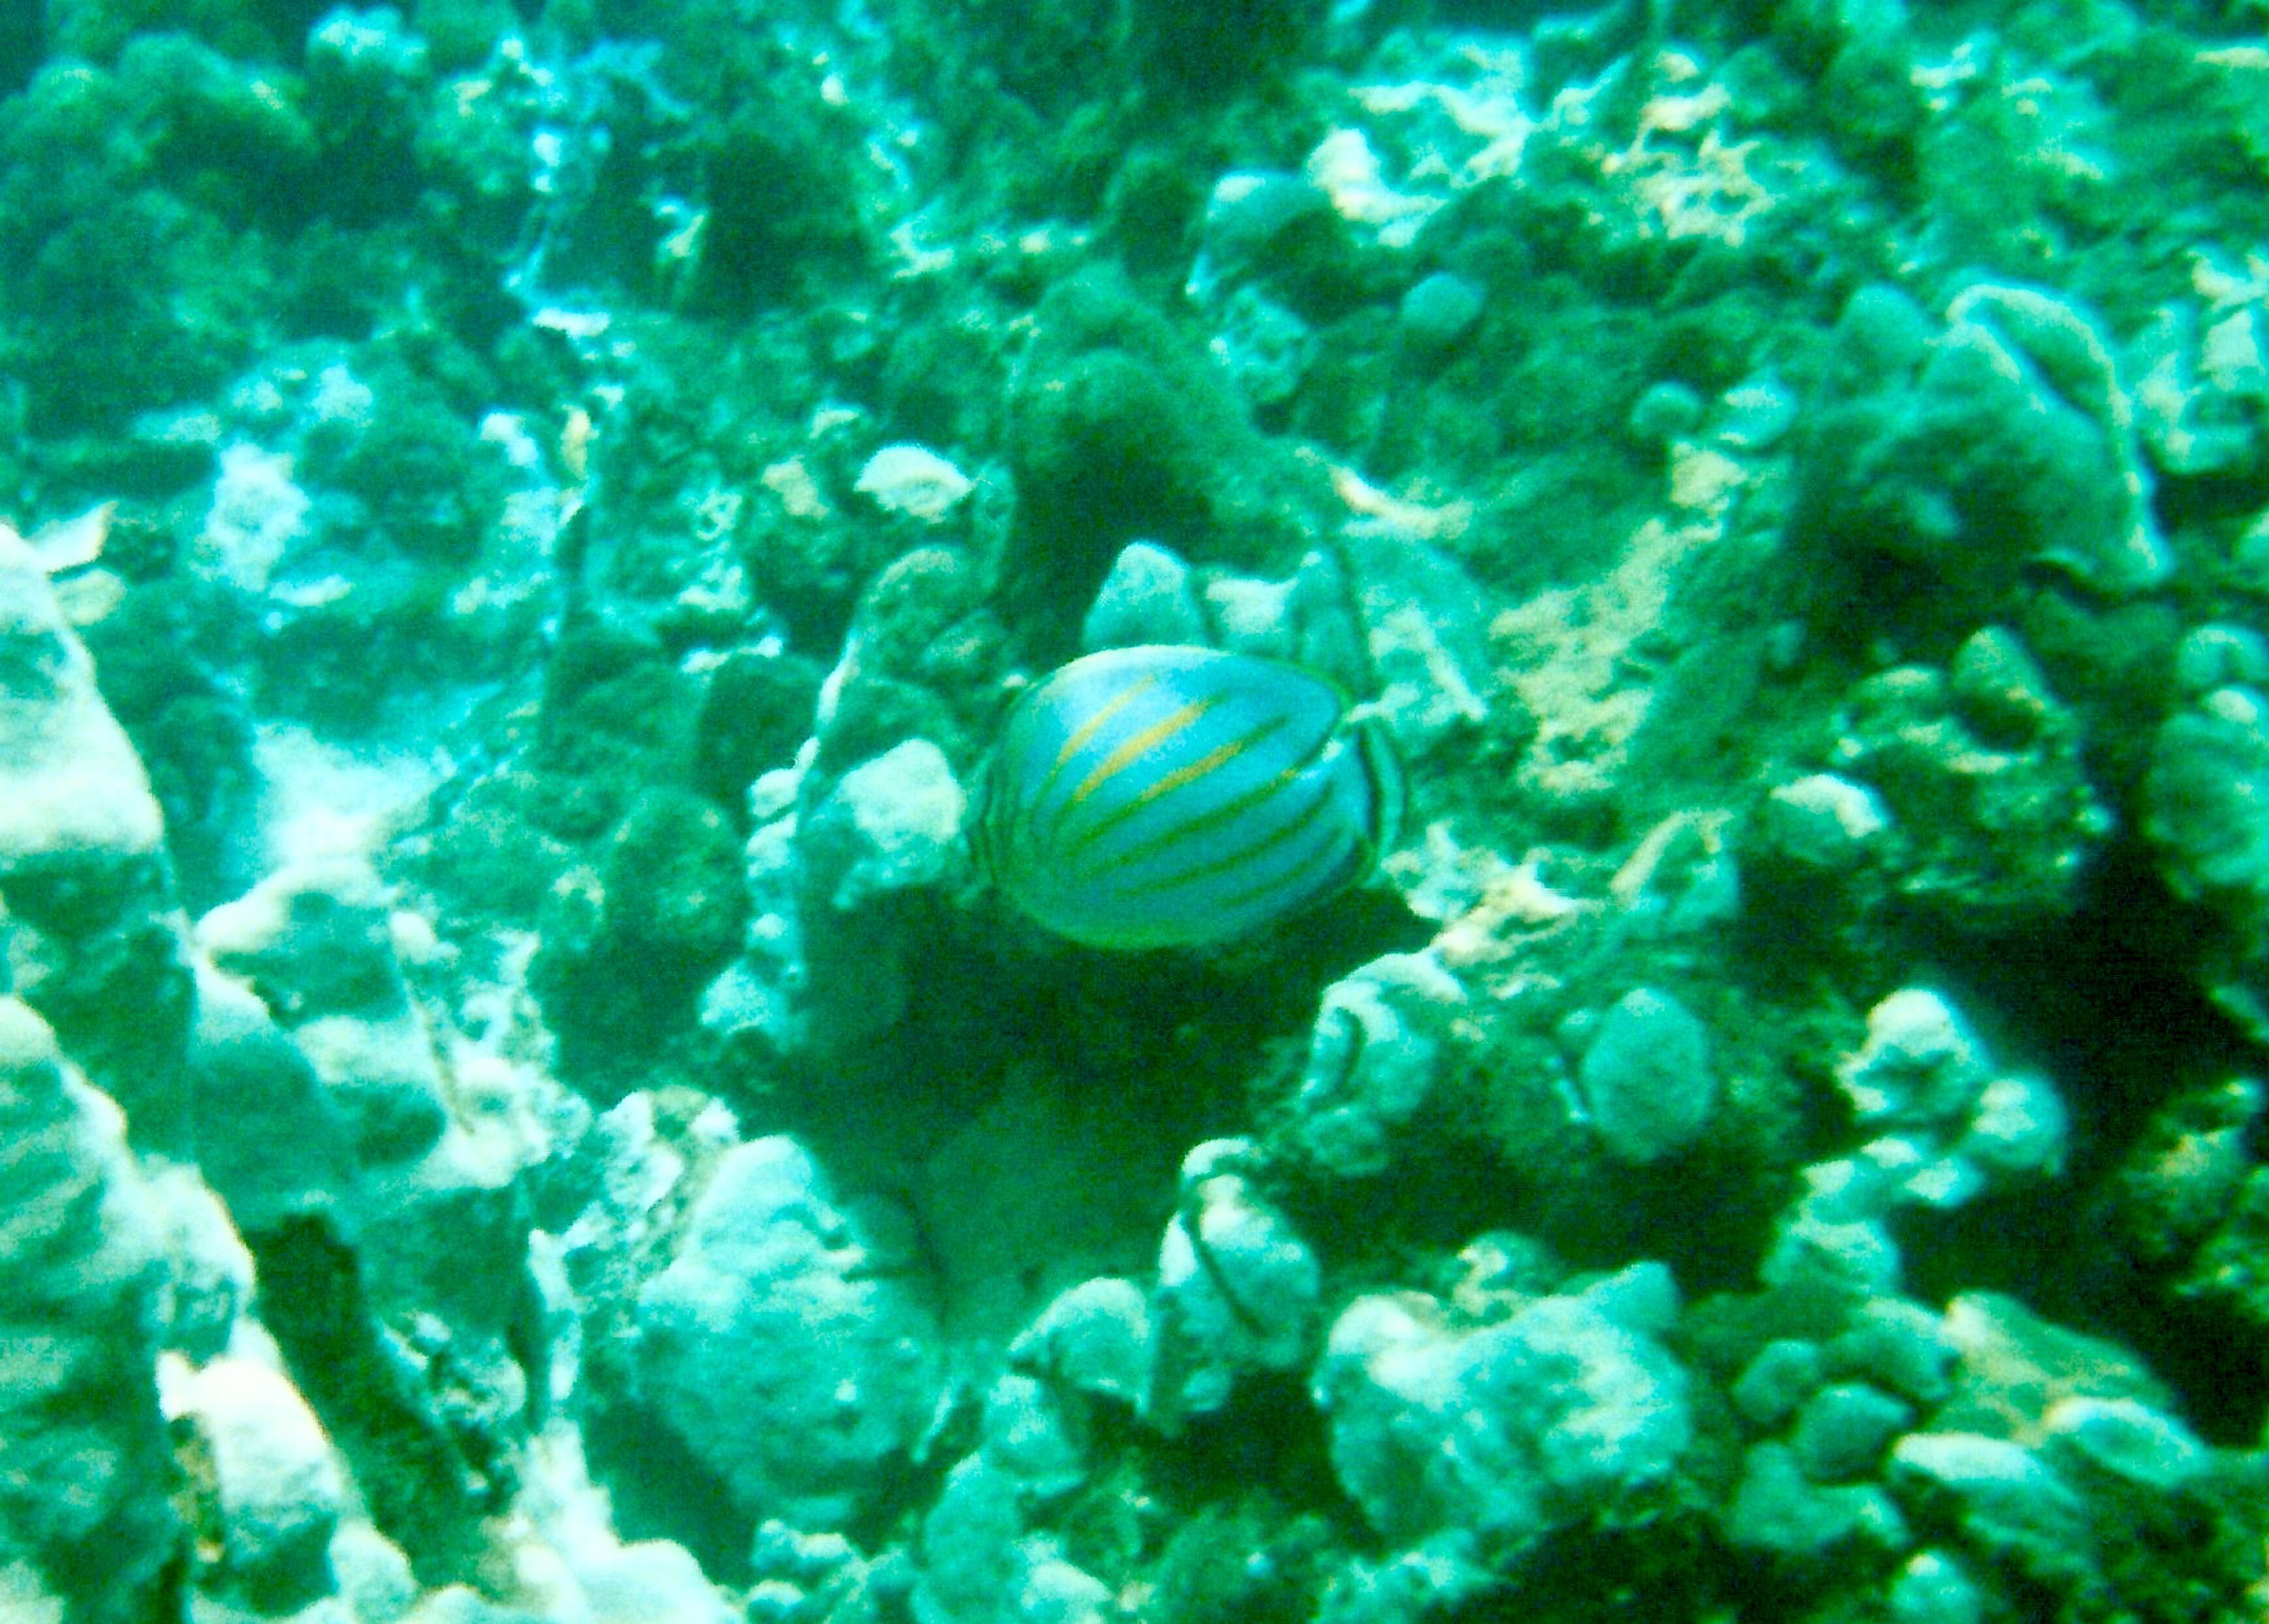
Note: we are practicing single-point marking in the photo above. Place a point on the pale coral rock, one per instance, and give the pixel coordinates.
(1024, 1433)
(209, 1269)
(1921, 1062)
(1373, 1056)
(281, 1490)
(1824, 822)
(2127, 1439)
(1148, 597)
(1509, 1431)
(314, 943)
(1237, 1287)
(1428, 653)
(1933, 1588)
(898, 816)
(1647, 1077)
(979, 1566)
(2218, 654)
(1251, 616)
(257, 513)
(915, 482)
(2200, 375)
(1095, 1338)
(2003, 1496)
(374, 1577)
(781, 1347)
(70, 781)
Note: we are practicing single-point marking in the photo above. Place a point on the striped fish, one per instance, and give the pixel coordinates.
(1159, 796)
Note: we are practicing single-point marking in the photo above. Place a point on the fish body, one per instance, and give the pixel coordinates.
(1165, 795)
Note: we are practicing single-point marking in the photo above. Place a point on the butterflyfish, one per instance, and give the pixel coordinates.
(1164, 795)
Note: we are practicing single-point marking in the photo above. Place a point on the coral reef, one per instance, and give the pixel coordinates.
(521, 527)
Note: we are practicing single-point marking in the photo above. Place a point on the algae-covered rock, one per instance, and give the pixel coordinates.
(1741, 455)
(2183, 1174)
(423, 480)
(1779, 1508)
(920, 660)
(313, 945)
(1899, 1346)
(1105, 443)
(1266, 348)
(756, 713)
(142, 298)
(289, 1146)
(2006, 1500)
(2205, 797)
(99, 28)
(1843, 1428)
(1121, 431)
(626, 947)
(1784, 1373)
(85, 1469)
(82, 870)
(2231, 1266)
(1982, 772)
(2005, 437)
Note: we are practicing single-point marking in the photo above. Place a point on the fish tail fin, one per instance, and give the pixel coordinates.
(1386, 788)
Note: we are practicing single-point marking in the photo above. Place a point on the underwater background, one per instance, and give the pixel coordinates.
(1645, 998)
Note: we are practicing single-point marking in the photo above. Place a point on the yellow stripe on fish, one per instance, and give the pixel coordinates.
(1221, 756)
(1166, 795)
(1095, 724)
(1143, 744)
